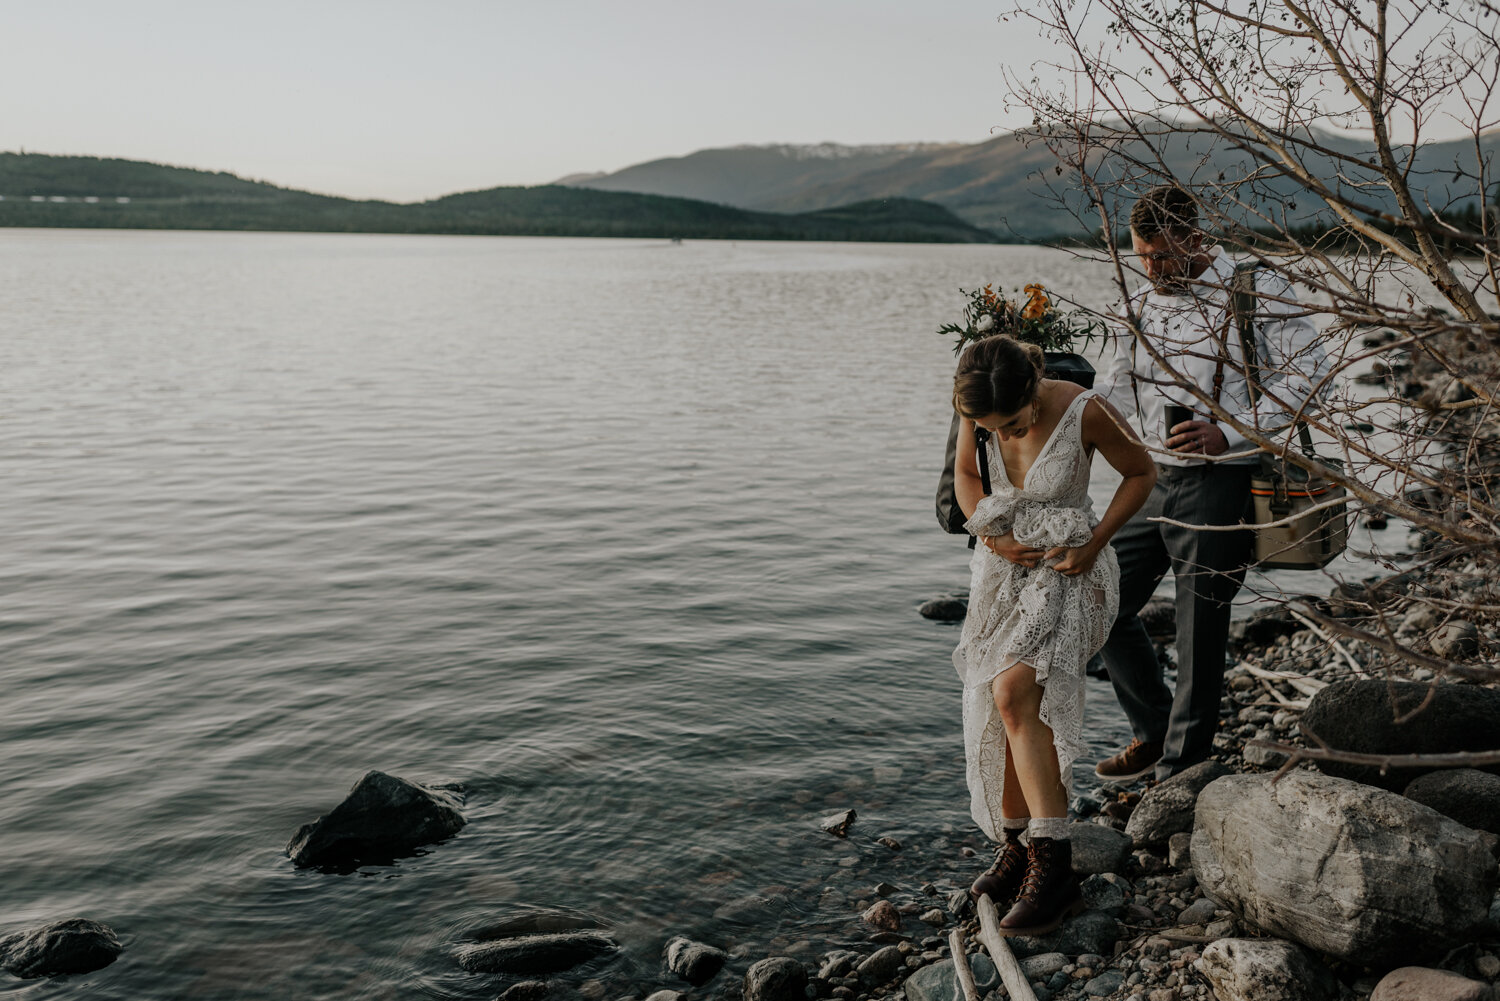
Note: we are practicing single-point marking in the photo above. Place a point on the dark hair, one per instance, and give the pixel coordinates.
(1166, 209)
(998, 375)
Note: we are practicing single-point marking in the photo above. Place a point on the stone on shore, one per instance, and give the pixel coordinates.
(1417, 983)
(1265, 969)
(945, 609)
(382, 818)
(1342, 868)
(534, 955)
(76, 945)
(1467, 795)
(880, 967)
(779, 978)
(1167, 809)
(1357, 715)
(693, 961)
(1090, 933)
(939, 981)
(1097, 848)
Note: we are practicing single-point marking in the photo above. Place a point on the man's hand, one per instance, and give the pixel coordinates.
(1071, 562)
(1199, 437)
(1007, 548)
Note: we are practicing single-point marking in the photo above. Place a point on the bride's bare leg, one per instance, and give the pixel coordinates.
(1012, 798)
(1031, 757)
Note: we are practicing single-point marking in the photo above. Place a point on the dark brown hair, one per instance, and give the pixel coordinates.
(998, 375)
(1166, 209)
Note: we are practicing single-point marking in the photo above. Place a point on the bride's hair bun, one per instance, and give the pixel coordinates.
(998, 375)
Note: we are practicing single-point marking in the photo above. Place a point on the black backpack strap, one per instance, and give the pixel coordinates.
(982, 458)
(1243, 289)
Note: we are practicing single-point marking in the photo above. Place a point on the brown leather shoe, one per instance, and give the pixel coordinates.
(1049, 893)
(1132, 763)
(1002, 881)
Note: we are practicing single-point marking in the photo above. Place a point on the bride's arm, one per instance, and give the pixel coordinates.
(1104, 429)
(969, 490)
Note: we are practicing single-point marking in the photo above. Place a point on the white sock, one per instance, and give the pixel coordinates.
(1055, 828)
(1008, 824)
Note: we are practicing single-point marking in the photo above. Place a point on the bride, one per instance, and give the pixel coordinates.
(1043, 597)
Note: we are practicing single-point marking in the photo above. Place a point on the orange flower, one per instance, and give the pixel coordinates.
(1036, 303)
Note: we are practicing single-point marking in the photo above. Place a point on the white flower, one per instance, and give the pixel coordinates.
(984, 323)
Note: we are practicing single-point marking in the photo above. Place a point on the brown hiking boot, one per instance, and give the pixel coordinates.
(1133, 762)
(1002, 881)
(1049, 893)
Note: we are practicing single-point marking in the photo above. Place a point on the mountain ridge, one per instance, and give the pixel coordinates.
(96, 192)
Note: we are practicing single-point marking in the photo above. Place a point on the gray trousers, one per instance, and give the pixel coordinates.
(1209, 568)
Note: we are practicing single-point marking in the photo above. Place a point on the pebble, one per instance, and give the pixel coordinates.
(1487, 966)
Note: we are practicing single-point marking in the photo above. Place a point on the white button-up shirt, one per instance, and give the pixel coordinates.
(1192, 333)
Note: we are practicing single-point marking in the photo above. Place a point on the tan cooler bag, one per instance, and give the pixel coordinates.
(1278, 491)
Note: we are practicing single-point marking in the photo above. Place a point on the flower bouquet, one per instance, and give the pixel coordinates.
(1033, 320)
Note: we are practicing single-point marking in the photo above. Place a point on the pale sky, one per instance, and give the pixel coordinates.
(405, 101)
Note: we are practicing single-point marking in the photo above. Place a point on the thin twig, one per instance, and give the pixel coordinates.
(1359, 670)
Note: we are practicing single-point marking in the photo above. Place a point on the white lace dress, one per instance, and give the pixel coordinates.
(1035, 616)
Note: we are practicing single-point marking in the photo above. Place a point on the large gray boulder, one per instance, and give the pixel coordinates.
(382, 818)
(532, 955)
(1467, 795)
(1359, 716)
(1343, 868)
(779, 978)
(76, 945)
(1265, 969)
(1167, 809)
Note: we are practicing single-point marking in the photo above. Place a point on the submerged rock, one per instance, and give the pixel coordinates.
(532, 955)
(383, 817)
(536, 922)
(693, 961)
(945, 609)
(1346, 869)
(838, 824)
(76, 945)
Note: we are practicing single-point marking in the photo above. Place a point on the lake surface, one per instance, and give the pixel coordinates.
(625, 538)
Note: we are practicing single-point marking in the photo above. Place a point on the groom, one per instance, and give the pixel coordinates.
(1184, 314)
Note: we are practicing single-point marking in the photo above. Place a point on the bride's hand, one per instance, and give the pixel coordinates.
(1007, 548)
(1072, 561)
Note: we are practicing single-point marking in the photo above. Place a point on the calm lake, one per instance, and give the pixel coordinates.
(625, 538)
